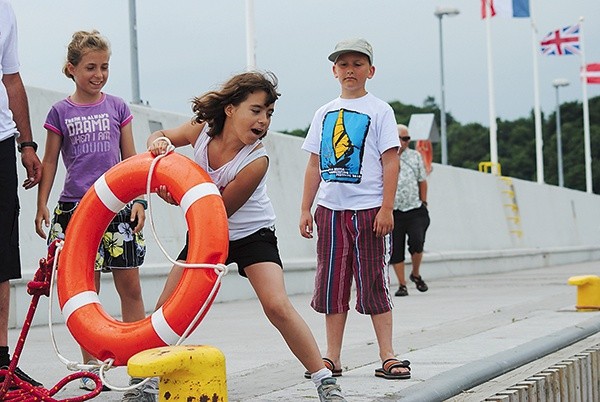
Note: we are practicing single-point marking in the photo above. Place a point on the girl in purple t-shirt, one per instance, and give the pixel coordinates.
(92, 131)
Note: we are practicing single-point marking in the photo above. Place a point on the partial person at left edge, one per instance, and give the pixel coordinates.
(14, 126)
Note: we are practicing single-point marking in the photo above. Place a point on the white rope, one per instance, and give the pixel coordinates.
(70, 364)
(169, 149)
(220, 269)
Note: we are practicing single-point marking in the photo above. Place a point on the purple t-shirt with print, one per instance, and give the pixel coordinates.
(91, 140)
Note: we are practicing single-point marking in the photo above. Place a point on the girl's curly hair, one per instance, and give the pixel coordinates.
(210, 107)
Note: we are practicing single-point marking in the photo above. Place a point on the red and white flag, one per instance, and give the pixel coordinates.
(592, 73)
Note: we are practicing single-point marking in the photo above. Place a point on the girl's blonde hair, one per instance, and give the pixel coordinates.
(81, 43)
(210, 107)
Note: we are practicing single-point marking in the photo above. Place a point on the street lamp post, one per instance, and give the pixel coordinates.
(439, 13)
(133, 46)
(557, 83)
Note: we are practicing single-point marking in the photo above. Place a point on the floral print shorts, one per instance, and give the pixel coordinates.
(119, 248)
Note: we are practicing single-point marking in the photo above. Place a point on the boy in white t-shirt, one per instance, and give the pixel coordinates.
(353, 165)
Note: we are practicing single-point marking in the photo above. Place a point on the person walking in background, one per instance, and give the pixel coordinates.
(226, 135)
(14, 125)
(92, 130)
(353, 167)
(411, 217)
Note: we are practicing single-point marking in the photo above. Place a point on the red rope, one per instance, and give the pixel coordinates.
(14, 389)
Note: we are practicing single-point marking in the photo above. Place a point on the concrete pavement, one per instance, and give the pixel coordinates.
(460, 321)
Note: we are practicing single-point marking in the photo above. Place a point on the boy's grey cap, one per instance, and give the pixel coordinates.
(352, 45)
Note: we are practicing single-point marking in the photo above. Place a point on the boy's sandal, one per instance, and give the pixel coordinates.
(336, 372)
(386, 369)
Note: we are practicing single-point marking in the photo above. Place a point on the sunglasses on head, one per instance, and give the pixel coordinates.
(405, 138)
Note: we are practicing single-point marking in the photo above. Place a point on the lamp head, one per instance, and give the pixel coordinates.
(560, 82)
(449, 11)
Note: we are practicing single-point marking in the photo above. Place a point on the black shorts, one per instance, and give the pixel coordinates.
(414, 224)
(260, 246)
(9, 218)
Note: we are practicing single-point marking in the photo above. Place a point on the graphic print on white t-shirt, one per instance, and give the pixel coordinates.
(342, 145)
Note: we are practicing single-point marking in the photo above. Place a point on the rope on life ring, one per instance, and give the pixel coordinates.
(96, 331)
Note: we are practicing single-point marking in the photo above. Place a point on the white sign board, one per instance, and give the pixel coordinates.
(422, 127)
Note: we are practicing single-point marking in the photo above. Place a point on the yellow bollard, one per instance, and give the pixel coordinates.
(588, 291)
(187, 373)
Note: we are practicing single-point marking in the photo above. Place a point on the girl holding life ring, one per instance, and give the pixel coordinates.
(226, 134)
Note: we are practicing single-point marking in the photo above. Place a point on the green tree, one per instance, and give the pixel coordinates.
(297, 132)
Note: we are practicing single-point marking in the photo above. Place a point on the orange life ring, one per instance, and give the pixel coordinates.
(95, 330)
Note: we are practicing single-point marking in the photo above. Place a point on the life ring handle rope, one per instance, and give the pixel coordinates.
(219, 269)
(170, 148)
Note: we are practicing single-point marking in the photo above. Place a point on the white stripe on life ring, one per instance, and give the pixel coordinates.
(78, 301)
(162, 328)
(108, 198)
(196, 192)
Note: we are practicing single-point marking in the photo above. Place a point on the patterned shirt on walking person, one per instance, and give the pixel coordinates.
(411, 217)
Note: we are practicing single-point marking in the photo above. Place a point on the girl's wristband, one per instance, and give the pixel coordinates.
(144, 203)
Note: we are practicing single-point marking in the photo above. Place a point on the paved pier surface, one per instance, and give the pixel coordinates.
(459, 322)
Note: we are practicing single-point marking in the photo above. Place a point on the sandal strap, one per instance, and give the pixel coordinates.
(393, 363)
(328, 364)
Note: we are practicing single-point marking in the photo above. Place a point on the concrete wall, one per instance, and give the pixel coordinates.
(480, 222)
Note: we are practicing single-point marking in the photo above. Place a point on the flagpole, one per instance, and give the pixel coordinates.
(492, 105)
(539, 140)
(250, 45)
(133, 48)
(586, 113)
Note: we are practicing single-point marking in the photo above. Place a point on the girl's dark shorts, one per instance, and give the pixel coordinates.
(260, 246)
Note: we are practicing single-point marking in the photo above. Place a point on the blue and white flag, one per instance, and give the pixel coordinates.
(506, 8)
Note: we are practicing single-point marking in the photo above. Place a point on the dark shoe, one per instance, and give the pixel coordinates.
(402, 291)
(23, 376)
(421, 285)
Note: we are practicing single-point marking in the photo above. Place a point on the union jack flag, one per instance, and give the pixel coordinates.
(562, 42)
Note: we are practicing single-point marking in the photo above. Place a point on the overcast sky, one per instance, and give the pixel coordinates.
(189, 47)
